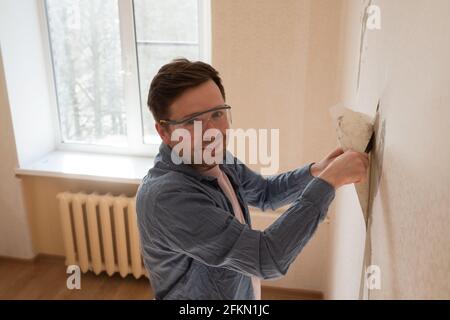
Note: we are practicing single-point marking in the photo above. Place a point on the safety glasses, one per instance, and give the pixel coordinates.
(220, 115)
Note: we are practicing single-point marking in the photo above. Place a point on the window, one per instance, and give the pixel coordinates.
(104, 55)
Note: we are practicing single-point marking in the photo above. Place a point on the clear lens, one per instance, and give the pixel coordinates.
(219, 117)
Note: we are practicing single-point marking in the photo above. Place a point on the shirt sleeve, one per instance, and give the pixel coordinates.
(274, 191)
(191, 223)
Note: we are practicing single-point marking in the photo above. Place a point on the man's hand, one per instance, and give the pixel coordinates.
(317, 168)
(349, 167)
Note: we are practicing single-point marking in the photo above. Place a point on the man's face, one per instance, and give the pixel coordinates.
(196, 100)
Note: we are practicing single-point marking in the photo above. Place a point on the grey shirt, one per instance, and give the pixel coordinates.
(193, 246)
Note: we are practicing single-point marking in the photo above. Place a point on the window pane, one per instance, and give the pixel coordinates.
(151, 58)
(85, 41)
(165, 30)
(166, 20)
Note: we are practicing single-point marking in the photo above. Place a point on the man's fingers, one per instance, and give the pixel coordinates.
(335, 153)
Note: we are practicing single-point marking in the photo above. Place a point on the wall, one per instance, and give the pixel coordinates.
(279, 65)
(25, 107)
(347, 234)
(405, 66)
(27, 78)
(261, 51)
(15, 239)
(42, 205)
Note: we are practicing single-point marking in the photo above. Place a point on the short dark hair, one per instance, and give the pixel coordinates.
(173, 79)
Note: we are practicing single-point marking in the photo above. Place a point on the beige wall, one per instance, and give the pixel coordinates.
(278, 60)
(347, 233)
(42, 207)
(261, 50)
(406, 66)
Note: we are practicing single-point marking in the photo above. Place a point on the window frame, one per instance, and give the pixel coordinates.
(132, 96)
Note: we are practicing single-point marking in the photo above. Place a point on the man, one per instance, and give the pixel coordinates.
(194, 222)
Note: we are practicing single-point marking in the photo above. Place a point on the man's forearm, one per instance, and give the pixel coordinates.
(285, 238)
(286, 187)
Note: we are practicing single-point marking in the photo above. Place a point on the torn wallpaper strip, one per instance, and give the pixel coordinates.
(354, 130)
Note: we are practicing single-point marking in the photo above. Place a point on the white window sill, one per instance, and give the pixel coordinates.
(89, 166)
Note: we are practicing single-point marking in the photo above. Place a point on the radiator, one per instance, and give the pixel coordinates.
(100, 233)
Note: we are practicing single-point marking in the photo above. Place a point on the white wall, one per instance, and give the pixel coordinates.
(406, 67)
(346, 246)
(26, 125)
(15, 238)
(27, 79)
